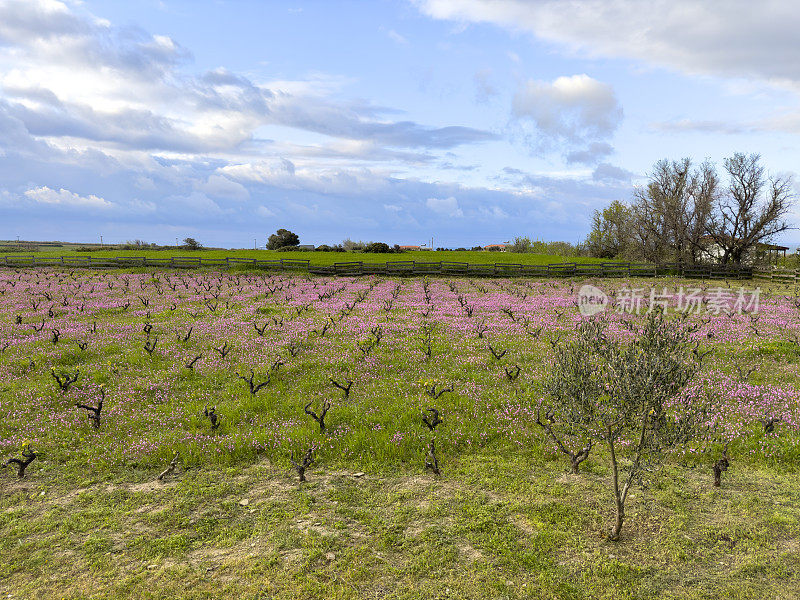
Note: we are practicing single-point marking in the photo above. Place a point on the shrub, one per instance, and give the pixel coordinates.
(377, 248)
(520, 245)
(191, 244)
(351, 246)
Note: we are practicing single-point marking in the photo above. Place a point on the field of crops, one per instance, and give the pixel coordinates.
(232, 373)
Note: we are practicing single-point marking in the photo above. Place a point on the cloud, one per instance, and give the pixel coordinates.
(263, 211)
(196, 203)
(494, 212)
(608, 172)
(576, 113)
(118, 112)
(572, 108)
(45, 195)
(67, 77)
(703, 126)
(222, 187)
(780, 122)
(738, 40)
(447, 207)
(591, 154)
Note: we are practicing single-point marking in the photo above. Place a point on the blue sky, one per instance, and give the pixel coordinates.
(470, 121)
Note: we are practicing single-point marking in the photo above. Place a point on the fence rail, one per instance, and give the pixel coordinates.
(410, 267)
(782, 275)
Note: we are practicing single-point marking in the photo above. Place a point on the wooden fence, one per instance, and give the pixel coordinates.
(404, 267)
(780, 275)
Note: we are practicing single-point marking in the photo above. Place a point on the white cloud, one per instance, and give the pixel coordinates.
(263, 211)
(737, 39)
(222, 187)
(196, 202)
(447, 207)
(45, 195)
(68, 78)
(572, 108)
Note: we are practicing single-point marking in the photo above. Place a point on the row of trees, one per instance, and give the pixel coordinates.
(687, 214)
(283, 239)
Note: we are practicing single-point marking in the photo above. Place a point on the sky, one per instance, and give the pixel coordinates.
(468, 122)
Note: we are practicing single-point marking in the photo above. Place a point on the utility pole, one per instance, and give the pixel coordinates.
(101, 239)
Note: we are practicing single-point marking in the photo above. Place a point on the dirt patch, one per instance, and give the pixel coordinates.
(468, 552)
(151, 486)
(523, 524)
(310, 523)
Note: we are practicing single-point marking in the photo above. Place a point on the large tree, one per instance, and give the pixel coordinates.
(612, 231)
(684, 211)
(753, 209)
(281, 238)
(672, 212)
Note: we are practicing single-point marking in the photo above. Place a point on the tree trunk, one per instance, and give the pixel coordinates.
(619, 502)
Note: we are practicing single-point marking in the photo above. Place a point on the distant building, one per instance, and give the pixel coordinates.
(305, 247)
(409, 247)
(501, 247)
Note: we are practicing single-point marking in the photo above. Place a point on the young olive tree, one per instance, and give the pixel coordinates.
(630, 397)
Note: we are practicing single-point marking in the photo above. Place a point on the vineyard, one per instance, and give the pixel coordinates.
(285, 435)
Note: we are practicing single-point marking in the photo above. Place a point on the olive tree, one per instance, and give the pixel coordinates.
(630, 397)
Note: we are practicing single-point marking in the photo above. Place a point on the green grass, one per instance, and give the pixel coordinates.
(513, 527)
(328, 258)
(505, 519)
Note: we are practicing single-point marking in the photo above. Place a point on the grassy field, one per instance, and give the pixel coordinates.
(504, 520)
(328, 258)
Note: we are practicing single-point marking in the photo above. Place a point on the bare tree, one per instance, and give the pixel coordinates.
(672, 213)
(753, 209)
